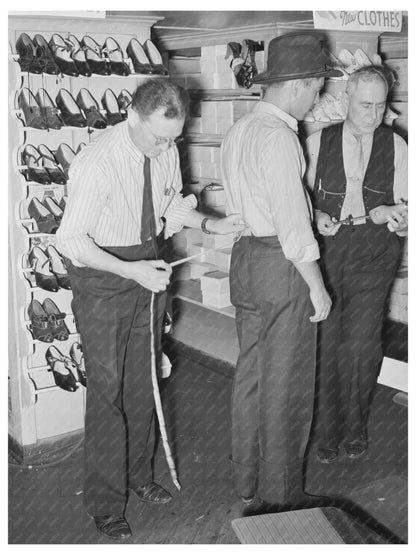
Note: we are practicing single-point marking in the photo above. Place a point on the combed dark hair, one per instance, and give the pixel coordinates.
(372, 73)
(156, 94)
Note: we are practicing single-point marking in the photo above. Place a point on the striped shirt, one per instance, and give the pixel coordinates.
(262, 166)
(105, 194)
(313, 144)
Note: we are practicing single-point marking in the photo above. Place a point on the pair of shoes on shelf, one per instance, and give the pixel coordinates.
(113, 526)
(65, 155)
(47, 322)
(106, 59)
(69, 56)
(49, 269)
(47, 214)
(39, 111)
(115, 114)
(152, 493)
(146, 58)
(35, 55)
(65, 369)
(82, 112)
(42, 166)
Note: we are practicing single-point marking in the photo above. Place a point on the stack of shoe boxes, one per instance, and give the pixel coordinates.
(215, 287)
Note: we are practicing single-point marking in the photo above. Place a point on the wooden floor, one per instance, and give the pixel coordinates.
(45, 504)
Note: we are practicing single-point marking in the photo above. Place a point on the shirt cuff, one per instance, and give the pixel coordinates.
(176, 215)
(309, 253)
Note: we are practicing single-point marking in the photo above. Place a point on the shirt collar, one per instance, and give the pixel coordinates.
(272, 109)
(130, 146)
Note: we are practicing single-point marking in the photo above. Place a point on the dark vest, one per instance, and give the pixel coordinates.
(330, 182)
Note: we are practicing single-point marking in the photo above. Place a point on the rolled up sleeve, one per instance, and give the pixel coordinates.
(289, 202)
(177, 211)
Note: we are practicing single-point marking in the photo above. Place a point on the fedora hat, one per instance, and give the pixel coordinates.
(296, 56)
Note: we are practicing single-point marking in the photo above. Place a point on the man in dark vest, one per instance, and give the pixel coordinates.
(358, 174)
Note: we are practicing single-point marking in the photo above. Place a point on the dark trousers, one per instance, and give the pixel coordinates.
(273, 391)
(358, 265)
(113, 318)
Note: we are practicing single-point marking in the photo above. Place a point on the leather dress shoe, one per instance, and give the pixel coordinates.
(155, 58)
(124, 100)
(152, 493)
(51, 165)
(115, 57)
(355, 448)
(53, 208)
(35, 170)
(45, 221)
(94, 56)
(77, 356)
(39, 322)
(70, 111)
(110, 104)
(90, 107)
(78, 55)
(327, 455)
(40, 263)
(58, 267)
(45, 56)
(62, 50)
(33, 114)
(49, 111)
(137, 55)
(113, 526)
(62, 368)
(28, 54)
(56, 320)
(64, 156)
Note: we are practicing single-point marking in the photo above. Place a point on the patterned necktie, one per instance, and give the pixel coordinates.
(353, 202)
(148, 224)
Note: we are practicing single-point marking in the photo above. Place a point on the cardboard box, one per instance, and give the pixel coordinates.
(223, 259)
(216, 241)
(217, 301)
(215, 283)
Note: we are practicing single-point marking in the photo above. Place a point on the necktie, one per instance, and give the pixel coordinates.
(148, 224)
(353, 201)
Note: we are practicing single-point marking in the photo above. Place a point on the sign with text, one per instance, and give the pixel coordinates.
(359, 21)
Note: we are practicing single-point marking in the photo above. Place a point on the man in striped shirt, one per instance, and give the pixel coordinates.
(124, 190)
(276, 285)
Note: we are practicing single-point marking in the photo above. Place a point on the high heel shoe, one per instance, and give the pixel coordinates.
(31, 110)
(62, 50)
(77, 356)
(51, 164)
(70, 111)
(124, 100)
(65, 155)
(39, 322)
(53, 208)
(115, 57)
(62, 368)
(40, 263)
(95, 59)
(78, 55)
(58, 267)
(56, 320)
(45, 56)
(49, 111)
(155, 58)
(90, 107)
(138, 57)
(35, 170)
(110, 104)
(28, 54)
(45, 221)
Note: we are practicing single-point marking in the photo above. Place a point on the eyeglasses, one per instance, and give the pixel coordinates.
(164, 140)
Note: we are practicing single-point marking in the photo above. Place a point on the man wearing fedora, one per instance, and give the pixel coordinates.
(276, 284)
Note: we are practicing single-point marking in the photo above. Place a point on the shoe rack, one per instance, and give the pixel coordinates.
(41, 405)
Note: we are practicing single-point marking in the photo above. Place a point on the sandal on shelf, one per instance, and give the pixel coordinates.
(62, 368)
(39, 322)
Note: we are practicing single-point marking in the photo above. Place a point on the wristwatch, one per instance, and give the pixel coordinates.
(204, 226)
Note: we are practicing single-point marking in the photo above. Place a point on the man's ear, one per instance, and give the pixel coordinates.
(295, 85)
